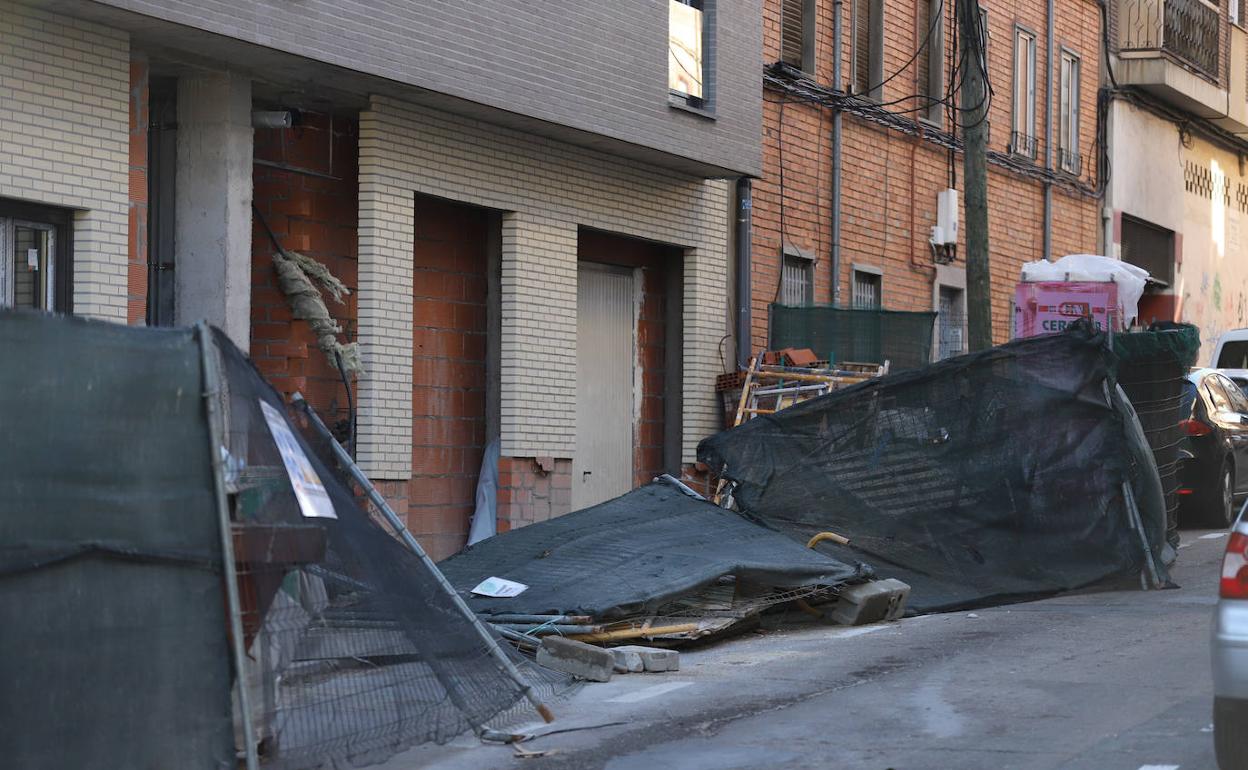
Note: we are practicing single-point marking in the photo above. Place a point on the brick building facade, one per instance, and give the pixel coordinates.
(891, 175)
(467, 191)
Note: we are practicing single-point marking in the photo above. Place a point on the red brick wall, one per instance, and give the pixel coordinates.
(316, 216)
(890, 181)
(532, 489)
(654, 261)
(136, 273)
(448, 370)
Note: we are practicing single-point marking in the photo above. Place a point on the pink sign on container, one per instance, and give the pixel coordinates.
(1047, 307)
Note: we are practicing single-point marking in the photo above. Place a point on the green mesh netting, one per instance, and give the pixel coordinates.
(1150, 368)
(836, 334)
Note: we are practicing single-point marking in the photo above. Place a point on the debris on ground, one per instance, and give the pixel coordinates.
(581, 660)
(1016, 471)
(657, 563)
(634, 658)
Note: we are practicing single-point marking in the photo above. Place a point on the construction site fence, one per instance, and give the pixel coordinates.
(838, 334)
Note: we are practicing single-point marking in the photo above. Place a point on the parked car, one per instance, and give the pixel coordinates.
(1213, 462)
(1230, 654)
(1231, 356)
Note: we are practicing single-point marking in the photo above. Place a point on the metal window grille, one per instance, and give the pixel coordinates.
(951, 323)
(796, 281)
(867, 290)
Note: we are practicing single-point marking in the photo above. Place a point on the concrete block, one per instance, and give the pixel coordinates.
(627, 661)
(581, 660)
(871, 602)
(653, 659)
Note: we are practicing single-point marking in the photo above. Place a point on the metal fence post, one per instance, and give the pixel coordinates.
(212, 390)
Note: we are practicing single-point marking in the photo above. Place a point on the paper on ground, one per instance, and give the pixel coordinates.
(499, 588)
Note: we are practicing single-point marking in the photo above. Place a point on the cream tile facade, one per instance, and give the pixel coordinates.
(546, 190)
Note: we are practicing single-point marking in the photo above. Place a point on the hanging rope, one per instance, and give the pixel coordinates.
(298, 276)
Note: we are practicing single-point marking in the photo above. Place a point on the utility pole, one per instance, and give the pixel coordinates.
(975, 173)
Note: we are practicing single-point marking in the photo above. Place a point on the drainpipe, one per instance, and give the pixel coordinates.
(836, 154)
(745, 211)
(1048, 136)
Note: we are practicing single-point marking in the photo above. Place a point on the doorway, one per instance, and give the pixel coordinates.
(606, 345)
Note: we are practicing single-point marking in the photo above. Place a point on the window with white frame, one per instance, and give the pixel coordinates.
(1023, 123)
(1236, 12)
(1068, 158)
(686, 66)
(867, 289)
(797, 280)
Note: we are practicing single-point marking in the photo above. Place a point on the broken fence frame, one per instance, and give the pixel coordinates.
(491, 643)
(216, 431)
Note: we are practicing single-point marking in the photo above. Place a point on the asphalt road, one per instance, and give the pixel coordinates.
(1098, 681)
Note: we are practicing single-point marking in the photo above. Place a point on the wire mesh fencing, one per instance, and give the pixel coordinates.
(357, 652)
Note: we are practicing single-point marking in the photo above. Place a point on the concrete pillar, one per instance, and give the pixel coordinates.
(212, 229)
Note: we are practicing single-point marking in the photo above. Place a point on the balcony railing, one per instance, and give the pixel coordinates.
(1186, 29)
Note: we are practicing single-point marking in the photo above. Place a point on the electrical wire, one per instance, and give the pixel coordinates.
(808, 90)
(922, 46)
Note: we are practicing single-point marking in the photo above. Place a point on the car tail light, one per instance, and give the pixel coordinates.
(1234, 583)
(1195, 428)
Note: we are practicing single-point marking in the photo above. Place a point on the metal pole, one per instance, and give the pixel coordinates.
(397, 525)
(212, 391)
(837, 86)
(745, 209)
(1048, 135)
(975, 178)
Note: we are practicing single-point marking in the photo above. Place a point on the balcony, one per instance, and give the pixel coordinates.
(1184, 29)
(1171, 48)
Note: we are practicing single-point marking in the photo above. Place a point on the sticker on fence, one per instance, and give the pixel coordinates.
(309, 491)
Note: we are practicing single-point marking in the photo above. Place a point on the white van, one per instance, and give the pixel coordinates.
(1231, 356)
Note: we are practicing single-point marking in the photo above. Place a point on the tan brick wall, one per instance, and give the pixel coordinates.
(546, 190)
(64, 131)
(890, 180)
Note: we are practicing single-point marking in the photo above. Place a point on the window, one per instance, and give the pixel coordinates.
(930, 19)
(1234, 355)
(1236, 396)
(1236, 12)
(35, 269)
(685, 65)
(867, 289)
(1221, 401)
(797, 285)
(797, 34)
(1148, 246)
(951, 321)
(868, 47)
(1068, 158)
(1023, 129)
